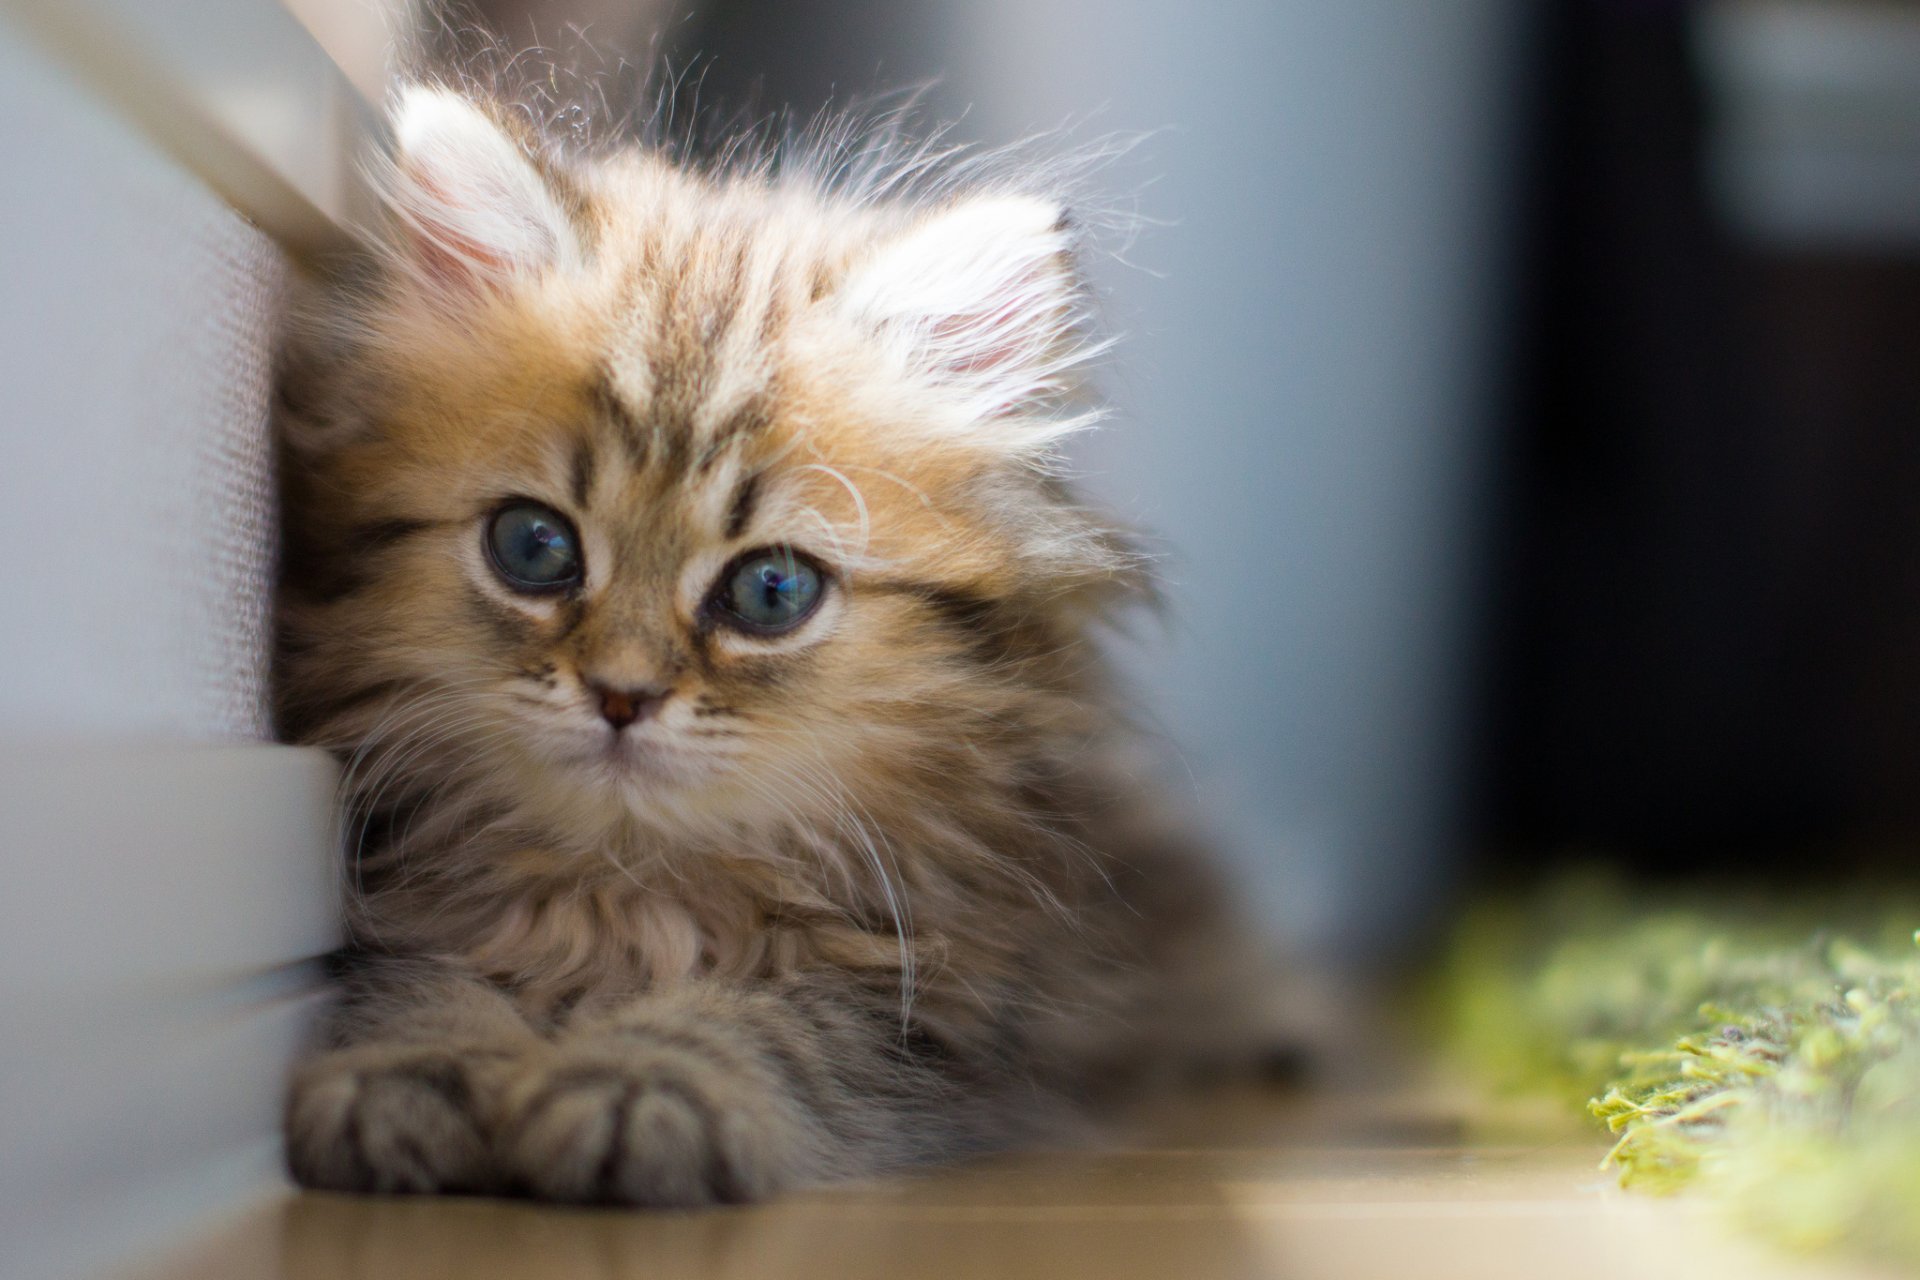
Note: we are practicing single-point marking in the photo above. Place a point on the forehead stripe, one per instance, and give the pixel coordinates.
(745, 499)
(752, 418)
(581, 470)
(626, 424)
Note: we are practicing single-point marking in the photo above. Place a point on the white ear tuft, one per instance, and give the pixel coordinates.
(474, 209)
(979, 300)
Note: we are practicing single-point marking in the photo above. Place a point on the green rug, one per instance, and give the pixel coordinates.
(1760, 1052)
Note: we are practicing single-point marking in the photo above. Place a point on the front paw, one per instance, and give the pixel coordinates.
(389, 1119)
(635, 1123)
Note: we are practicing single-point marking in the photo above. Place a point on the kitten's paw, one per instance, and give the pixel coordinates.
(388, 1119)
(622, 1124)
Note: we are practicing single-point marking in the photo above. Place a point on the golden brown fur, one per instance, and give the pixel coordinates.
(873, 892)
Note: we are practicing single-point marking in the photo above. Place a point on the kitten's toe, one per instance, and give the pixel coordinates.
(634, 1131)
(387, 1122)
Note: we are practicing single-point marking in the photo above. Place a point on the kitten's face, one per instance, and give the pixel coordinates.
(599, 592)
(686, 504)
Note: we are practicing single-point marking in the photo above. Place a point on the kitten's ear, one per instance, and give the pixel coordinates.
(980, 299)
(474, 210)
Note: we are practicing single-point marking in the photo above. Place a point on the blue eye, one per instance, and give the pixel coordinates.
(768, 591)
(533, 547)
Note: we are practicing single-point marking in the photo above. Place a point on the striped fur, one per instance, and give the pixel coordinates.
(876, 892)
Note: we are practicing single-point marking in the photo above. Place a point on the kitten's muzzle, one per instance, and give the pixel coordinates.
(621, 707)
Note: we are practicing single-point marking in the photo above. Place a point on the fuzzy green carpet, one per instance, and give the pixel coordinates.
(1761, 1052)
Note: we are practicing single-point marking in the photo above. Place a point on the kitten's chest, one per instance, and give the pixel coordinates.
(561, 943)
(532, 924)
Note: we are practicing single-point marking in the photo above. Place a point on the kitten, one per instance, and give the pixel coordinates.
(679, 559)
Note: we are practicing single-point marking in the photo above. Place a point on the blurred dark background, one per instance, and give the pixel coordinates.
(1706, 651)
(1678, 628)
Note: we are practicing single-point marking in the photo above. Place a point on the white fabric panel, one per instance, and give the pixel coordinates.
(169, 874)
(146, 871)
(143, 1132)
(135, 337)
(160, 906)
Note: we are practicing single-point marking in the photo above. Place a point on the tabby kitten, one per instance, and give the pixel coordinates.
(680, 561)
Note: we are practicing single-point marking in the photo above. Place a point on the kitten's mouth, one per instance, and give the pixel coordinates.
(621, 751)
(625, 758)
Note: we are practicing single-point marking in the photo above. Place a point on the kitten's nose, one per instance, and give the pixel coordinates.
(622, 707)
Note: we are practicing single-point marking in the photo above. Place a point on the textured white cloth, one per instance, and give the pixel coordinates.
(136, 497)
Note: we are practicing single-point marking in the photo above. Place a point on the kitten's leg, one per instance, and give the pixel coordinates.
(408, 1097)
(706, 1094)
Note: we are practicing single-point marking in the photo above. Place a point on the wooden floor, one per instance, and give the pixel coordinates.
(1251, 1186)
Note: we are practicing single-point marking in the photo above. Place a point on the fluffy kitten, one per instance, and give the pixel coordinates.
(680, 561)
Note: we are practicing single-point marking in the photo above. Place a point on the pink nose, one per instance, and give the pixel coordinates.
(622, 707)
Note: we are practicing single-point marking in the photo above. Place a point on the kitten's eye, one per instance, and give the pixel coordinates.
(769, 591)
(533, 547)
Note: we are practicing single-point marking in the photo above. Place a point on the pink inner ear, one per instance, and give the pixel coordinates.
(962, 335)
(979, 300)
(1007, 334)
(445, 255)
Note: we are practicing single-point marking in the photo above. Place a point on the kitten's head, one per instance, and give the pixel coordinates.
(625, 495)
